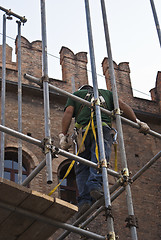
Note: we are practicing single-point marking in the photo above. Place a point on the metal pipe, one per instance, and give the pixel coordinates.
(78, 221)
(96, 205)
(138, 174)
(34, 173)
(98, 119)
(71, 157)
(46, 92)
(10, 13)
(21, 136)
(33, 79)
(146, 166)
(92, 217)
(84, 161)
(135, 125)
(3, 97)
(113, 197)
(156, 20)
(50, 221)
(109, 113)
(19, 105)
(118, 118)
(59, 151)
(73, 84)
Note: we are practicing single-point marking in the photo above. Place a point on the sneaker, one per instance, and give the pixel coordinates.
(96, 194)
(82, 209)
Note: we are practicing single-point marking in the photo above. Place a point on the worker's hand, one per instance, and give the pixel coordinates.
(63, 141)
(144, 128)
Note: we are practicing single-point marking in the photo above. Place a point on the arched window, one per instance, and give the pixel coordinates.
(68, 188)
(11, 167)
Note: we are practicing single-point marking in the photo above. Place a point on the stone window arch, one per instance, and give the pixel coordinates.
(68, 189)
(11, 166)
(30, 161)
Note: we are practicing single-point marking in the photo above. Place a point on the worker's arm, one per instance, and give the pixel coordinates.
(66, 121)
(67, 118)
(129, 113)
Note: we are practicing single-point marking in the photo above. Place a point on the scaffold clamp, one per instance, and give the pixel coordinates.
(55, 151)
(108, 212)
(116, 112)
(125, 172)
(124, 177)
(111, 236)
(44, 78)
(103, 163)
(132, 221)
(47, 145)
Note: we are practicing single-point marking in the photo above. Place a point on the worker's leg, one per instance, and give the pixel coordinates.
(95, 178)
(82, 174)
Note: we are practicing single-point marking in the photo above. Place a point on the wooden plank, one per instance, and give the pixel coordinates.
(17, 226)
(59, 210)
(11, 193)
(36, 202)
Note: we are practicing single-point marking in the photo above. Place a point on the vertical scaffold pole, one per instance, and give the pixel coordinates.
(19, 104)
(118, 119)
(73, 84)
(46, 93)
(99, 124)
(3, 97)
(156, 20)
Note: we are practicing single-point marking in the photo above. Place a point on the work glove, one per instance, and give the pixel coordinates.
(144, 128)
(63, 141)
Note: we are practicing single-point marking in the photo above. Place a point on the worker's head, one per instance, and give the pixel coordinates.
(87, 87)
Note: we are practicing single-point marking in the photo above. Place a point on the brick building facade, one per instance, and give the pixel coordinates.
(139, 148)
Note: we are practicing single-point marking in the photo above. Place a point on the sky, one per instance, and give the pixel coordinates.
(132, 31)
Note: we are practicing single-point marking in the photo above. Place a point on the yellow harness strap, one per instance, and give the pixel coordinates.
(94, 134)
(72, 163)
(115, 150)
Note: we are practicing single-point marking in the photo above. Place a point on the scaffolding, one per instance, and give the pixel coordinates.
(124, 181)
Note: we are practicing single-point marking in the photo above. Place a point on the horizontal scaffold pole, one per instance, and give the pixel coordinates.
(86, 162)
(71, 157)
(58, 151)
(21, 136)
(109, 113)
(10, 13)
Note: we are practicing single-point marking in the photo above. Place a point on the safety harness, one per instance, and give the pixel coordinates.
(86, 128)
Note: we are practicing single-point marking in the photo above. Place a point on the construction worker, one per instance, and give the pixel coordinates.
(89, 181)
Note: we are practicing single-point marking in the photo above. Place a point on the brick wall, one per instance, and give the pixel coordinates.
(73, 66)
(139, 148)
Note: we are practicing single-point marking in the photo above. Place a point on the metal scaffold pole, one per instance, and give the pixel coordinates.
(118, 120)
(99, 126)
(85, 102)
(3, 97)
(156, 20)
(10, 13)
(19, 105)
(46, 93)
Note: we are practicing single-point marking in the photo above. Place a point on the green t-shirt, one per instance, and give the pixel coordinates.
(82, 117)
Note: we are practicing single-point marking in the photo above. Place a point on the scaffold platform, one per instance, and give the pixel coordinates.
(16, 200)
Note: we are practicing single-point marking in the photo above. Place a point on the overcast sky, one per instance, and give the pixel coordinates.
(132, 32)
